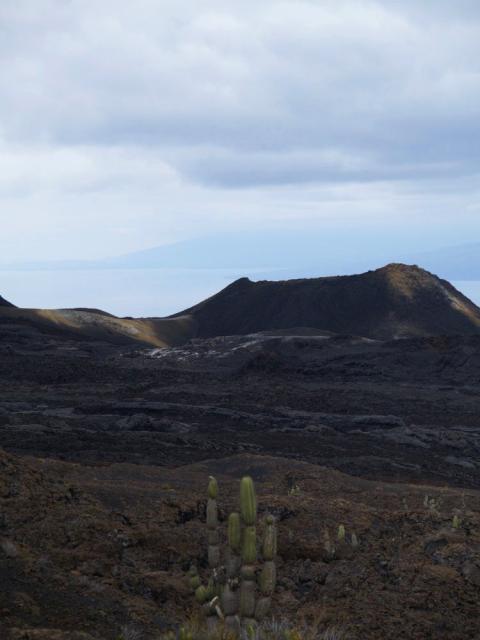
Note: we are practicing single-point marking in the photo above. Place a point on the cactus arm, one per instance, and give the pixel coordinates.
(212, 488)
(248, 501)
(234, 531)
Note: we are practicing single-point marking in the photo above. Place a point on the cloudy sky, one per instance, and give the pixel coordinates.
(125, 125)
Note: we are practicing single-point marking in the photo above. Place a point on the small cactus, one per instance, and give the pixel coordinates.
(328, 545)
(210, 590)
(194, 578)
(195, 582)
(294, 490)
(201, 594)
(185, 634)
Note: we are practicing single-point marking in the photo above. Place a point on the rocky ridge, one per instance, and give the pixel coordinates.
(5, 303)
(394, 301)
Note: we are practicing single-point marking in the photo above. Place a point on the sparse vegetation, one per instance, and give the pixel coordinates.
(293, 488)
(432, 504)
(9, 548)
(294, 491)
(269, 629)
(130, 632)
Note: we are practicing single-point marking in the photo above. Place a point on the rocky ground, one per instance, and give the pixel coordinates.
(93, 548)
(102, 503)
(405, 410)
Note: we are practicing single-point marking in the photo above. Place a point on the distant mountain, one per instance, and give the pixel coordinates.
(291, 254)
(5, 303)
(295, 253)
(396, 300)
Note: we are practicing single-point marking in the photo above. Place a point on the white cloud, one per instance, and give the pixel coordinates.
(60, 169)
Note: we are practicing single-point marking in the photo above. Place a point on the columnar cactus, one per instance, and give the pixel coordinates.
(212, 524)
(230, 594)
(235, 581)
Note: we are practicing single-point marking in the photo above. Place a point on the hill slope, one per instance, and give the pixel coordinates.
(396, 300)
(31, 327)
(5, 303)
(90, 549)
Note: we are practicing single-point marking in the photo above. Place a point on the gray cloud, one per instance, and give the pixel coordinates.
(170, 103)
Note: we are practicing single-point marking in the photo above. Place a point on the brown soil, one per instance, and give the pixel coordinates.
(89, 549)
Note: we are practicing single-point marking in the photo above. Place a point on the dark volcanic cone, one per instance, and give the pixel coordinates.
(5, 303)
(396, 300)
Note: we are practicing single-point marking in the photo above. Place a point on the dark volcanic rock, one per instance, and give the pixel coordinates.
(362, 406)
(5, 303)
(397, 300)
